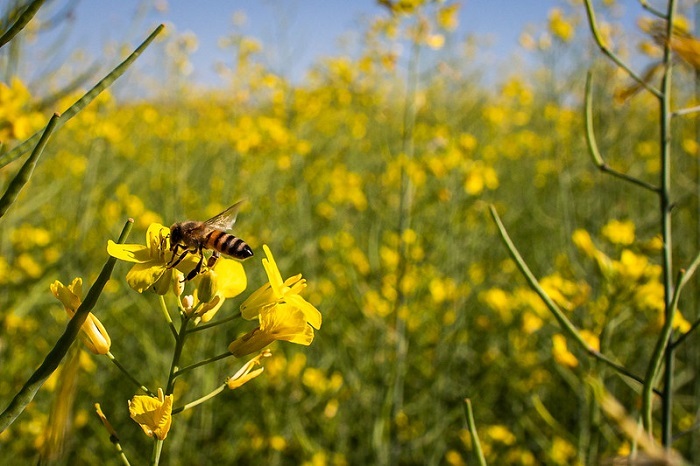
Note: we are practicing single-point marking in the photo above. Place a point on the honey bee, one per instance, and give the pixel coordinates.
(193, 237)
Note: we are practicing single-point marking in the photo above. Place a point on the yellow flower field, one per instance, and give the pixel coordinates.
(373, 178)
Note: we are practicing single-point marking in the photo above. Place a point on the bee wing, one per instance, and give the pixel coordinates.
(226, 219)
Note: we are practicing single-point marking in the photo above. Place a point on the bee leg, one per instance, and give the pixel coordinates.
(173, 262)
(212, 259)
(194, 272)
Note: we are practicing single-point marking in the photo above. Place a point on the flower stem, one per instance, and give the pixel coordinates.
(180, 337)
(55, 356)
(179, 372)
(155, 454)
(201, 400)
(215, 324)
(566, 325)
(166, 314)
(471, 425)
(128, 374)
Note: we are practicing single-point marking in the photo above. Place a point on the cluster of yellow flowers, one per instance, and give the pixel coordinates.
(279, 309)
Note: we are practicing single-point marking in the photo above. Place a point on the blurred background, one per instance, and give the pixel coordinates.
(368, 138)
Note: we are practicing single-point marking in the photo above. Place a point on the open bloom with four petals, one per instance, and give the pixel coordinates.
(283, 314)
(92, 331)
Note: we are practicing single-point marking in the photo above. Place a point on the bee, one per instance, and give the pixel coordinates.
(193, 237)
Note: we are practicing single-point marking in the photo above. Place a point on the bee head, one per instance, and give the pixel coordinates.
(175, 235)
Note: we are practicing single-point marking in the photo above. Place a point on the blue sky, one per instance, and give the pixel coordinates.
(299, 31)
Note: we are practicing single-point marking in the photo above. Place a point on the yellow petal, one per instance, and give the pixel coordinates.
(259, 299)
(312, 315)
(64, 294)
(251, 342)
(273, 273)
(142, 276)
(157, 239)
(95, 336)
(232, 278)
(154, 415)
(234, 383)
(129, 252)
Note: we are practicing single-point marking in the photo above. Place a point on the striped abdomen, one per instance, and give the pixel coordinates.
(228, 244)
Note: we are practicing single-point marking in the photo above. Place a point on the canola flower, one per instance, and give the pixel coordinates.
(151, 270)
(282, 313)
(92, 332)
(154, 415)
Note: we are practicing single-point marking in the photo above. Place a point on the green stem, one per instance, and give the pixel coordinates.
(657, 356)
(122, 455)
(21, 22)
(179, 345)
(201, 400)
(24, 173)
(666, 230)
(155, 454)
(471, 425)
(593, 145)
(180, 338)
(199, 328)
(687, 275)
(166, 314)
(179, 372)
(129, 376)
(81, 103)
(609, 53)
(53, 359)
(566, 325)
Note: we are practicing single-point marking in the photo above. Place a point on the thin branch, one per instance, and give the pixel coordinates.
(657, 355)
(566, 325)
(471, 425)
(686, 278)
(129, 376)
(179, 372)
(610, 54)
(81, 103)
(55, 356)
(652, 10)
(24, 173)
(682, 338)
(199, 328)
(21, 22)
(593, 145)
(685, 111)
(201, 400)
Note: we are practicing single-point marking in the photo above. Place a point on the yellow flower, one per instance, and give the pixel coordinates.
(279, 322)
(561, 353)
(560, 26)
(151, 269)
(93, 332)
(154, 415)
(246, 373)
(618, 232)
(278, 292)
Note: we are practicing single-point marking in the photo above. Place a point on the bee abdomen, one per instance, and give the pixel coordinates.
(228, 244)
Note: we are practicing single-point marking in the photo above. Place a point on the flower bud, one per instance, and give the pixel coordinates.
(208, 286)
